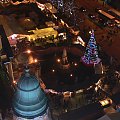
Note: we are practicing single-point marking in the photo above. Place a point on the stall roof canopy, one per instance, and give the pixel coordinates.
(42, 33)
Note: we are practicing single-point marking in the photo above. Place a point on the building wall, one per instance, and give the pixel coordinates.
(46, 116)
(115, 4)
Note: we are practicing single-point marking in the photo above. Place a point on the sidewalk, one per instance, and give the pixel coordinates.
(106, 5)
(76, 102)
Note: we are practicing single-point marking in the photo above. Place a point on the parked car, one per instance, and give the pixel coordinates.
(111, 24)
(102, 22)
(118, 25)
(96, 9)
(82, 9)
(91, 16)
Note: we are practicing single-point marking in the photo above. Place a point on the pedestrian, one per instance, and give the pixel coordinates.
(64, 105)
(79, 100)
(76, 105)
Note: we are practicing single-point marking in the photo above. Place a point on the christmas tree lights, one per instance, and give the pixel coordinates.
(91, 55)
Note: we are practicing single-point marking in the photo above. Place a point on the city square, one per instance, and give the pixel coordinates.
(59, 60)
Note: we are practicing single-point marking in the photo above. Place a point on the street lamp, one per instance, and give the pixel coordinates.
(90, 32)
(75, 64)
(35, 60)
(58, 60)
(28, 51)
(14, 82)
(96, 88)
(71, 75)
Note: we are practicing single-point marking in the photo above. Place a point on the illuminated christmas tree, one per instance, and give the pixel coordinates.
(91, 55)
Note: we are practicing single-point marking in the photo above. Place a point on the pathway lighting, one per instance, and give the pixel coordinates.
(71, 75)
(75, 64)
(35, 60)
(28, 51)
(90, 32)
(14, 82)
(58, 60)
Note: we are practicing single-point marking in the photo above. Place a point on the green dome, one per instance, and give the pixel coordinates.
(29, 100)
(28, 82)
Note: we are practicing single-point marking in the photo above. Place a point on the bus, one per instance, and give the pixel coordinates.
(105, 14)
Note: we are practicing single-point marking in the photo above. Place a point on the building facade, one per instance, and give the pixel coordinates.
(30, 101)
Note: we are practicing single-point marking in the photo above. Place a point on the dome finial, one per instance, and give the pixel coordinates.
(27, 70)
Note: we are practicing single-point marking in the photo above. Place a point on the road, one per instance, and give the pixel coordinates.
(111, 45)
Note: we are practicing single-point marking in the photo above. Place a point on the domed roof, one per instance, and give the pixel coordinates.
(27, 82)
(29, 100)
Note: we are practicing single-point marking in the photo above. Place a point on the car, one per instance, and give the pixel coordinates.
(91, 16)
(118, 25)
(111, 24)
(82, 9)
(96, 9)
(117, 21)
(102, 22)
